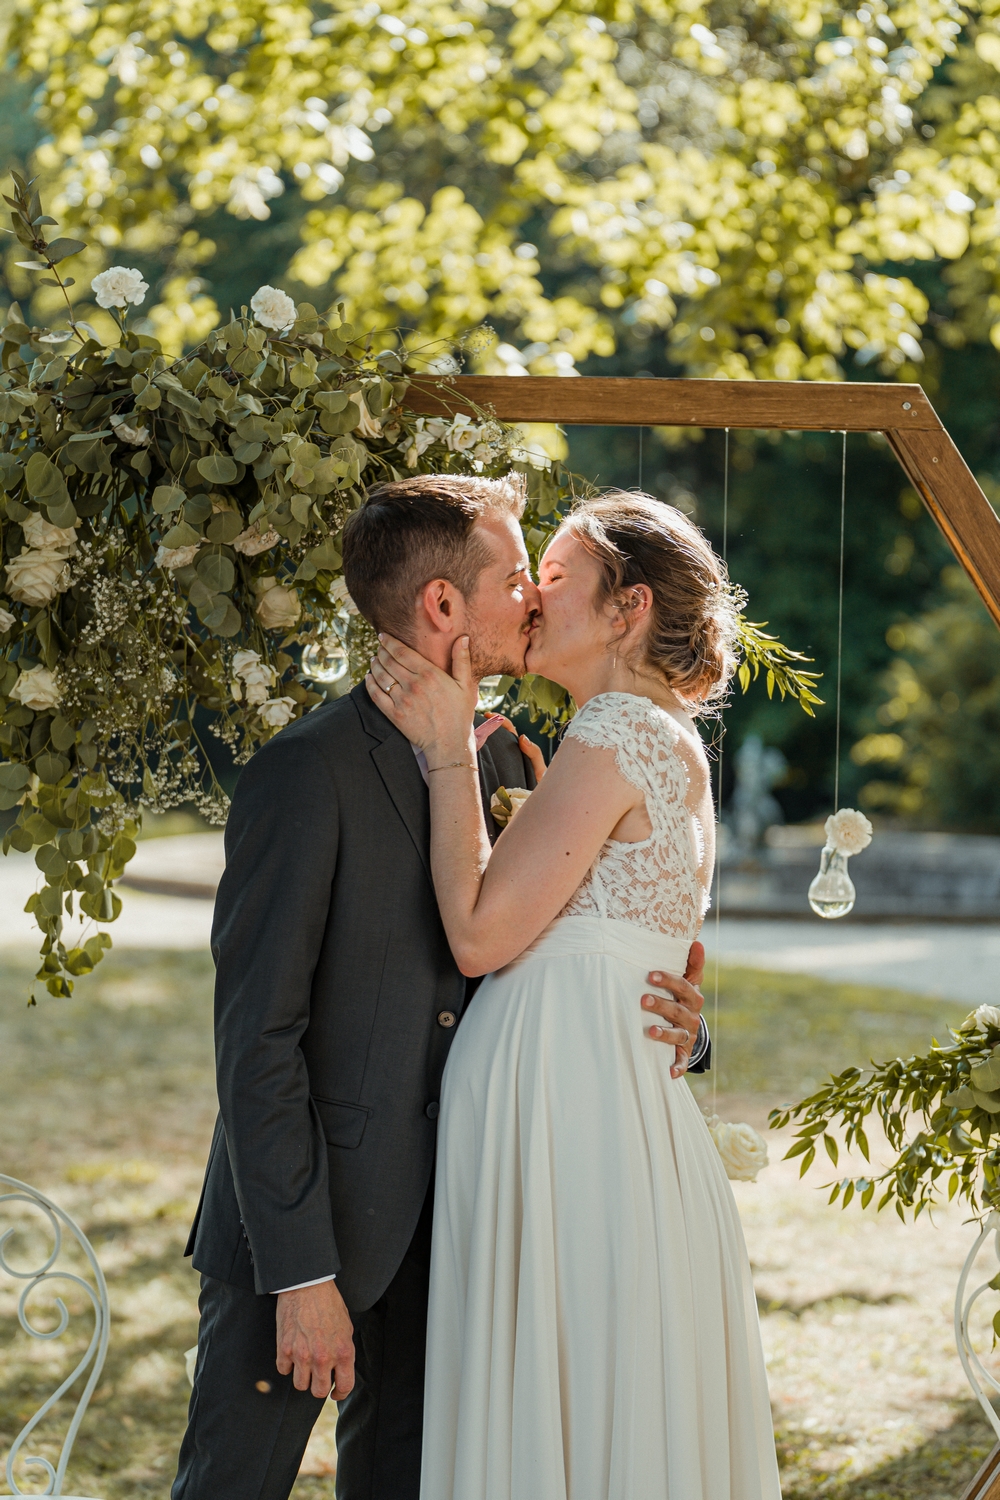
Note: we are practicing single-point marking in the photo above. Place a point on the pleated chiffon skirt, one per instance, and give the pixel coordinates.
(593, 1330)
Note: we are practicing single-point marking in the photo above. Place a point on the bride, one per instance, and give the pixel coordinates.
(593, 1330)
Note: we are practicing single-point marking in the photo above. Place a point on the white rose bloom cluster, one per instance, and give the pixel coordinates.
(458, 436)
(38, 689)
(252, 541)
(175, 557)
(41, 569)
(254, 678)
(983, 1018)
(139, 437)
(743, 1149)
(848, 831)
(341, 598)
(277, 713)
(6, 621)
(278, 608)
(272, 308)
(366, 426)
(119, 287)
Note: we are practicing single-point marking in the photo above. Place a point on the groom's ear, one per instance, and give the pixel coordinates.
(442, 606)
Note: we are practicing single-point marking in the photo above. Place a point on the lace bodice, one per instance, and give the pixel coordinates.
(662, 882)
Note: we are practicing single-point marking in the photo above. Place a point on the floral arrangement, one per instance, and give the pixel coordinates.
(941, 1115)
(171, 560)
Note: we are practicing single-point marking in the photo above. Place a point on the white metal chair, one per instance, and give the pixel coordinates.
(59, 1223)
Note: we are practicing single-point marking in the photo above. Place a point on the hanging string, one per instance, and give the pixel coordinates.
(840, 621)
(718, 809)
(640, 457)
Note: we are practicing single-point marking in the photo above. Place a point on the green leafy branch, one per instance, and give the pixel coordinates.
(765, 653)
(940, 1112)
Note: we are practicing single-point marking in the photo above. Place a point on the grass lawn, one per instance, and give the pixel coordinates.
(108, 1104)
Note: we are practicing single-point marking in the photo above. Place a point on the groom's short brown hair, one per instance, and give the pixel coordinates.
(417, 529)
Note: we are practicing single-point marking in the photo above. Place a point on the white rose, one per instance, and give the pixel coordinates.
(848, 831)
(272, 309)
(41, 533)
(506, 803)
(257, 677)
(37, 575)
(118, 287)
(7, 620)
(277, 713)
(38, 688)
(139, 437)
(461, 434)
(743, 1151)
(278, 608)
(987, 1018)
(341, 598)
(245, 659)
(175, 557)
(250, 542)
(367, 426)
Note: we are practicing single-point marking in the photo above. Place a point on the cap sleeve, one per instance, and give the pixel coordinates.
(631, 726)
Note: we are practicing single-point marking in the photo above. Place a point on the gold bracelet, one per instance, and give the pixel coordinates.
(450, 766)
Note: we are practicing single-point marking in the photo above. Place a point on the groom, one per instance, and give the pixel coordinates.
(337, 999)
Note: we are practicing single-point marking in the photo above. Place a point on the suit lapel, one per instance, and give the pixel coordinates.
(393, 757)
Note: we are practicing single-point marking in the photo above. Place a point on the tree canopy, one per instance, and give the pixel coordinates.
(742, 179)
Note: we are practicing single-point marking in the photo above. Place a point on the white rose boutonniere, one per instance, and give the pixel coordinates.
(743, 1150)
(506, 803)
(38, 688)
(37, 575)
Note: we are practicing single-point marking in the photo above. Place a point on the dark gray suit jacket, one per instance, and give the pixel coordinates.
(336, 1002)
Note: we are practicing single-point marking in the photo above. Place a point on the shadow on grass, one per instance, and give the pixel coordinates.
(838, 1302)
(938, 1469)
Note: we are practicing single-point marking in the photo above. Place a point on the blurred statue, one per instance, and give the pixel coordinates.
(753, 809)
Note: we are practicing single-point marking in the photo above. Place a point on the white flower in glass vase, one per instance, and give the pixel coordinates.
(278, 608)
(42, 534)
(38, 688)
(272, 308)
(175, 557)
(37, 575)
(277, 713)
(743, 1150)
(118, 287)
(848, 831)
(366, 426)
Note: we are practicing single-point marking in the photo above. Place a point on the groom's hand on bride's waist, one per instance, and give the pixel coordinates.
(316, 1340)
(679, 1009)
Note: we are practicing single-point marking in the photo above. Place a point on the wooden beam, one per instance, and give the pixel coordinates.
(985, 1485)
(791, 405)
(944, 482)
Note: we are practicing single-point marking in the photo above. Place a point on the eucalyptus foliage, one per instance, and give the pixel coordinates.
(171, 530)
(940, 1112)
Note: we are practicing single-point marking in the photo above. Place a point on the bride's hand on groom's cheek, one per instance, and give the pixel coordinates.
(434, 709)
(315, 1340)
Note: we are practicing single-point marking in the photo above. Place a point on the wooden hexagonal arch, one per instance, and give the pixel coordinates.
(932, 463)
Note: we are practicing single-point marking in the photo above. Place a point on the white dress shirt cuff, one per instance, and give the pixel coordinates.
(300, 1284)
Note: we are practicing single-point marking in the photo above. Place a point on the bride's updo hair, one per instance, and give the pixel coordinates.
(692, 637)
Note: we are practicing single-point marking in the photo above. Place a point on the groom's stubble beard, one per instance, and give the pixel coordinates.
(493, 653)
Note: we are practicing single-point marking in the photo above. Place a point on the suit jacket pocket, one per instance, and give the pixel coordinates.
(343, 1124)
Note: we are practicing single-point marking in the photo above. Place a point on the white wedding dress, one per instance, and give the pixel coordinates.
(593, 1330)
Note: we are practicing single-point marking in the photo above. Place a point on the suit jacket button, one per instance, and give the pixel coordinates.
(447, 1018)
(433, 1110)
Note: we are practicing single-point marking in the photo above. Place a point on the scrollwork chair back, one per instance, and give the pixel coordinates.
(59, 1223)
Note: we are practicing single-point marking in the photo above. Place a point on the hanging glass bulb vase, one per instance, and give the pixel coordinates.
(832, 892)
(492, 692)
(325, 659)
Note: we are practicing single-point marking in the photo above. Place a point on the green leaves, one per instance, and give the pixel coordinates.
(216, 572)
(45, 483)
(217, 468)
